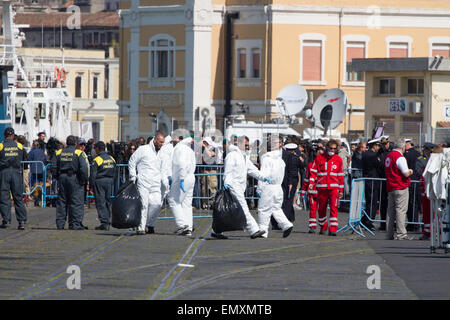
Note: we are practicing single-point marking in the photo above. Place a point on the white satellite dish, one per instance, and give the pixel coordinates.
(329, 109)
(291, 100)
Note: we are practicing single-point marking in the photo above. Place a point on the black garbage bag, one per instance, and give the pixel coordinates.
(126, 207)
(227, 213)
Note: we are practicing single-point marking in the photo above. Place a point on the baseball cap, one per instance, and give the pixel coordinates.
(100, 145)
(81, 141)
(291, 146)
(8, 131)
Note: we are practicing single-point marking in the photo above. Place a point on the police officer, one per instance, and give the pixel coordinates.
(102, 182)
(11, 179)
(372, 167)
(386, 148)
(411, 155)
(72, 173)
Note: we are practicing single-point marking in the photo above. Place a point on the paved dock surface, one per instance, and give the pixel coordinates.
(117, 264)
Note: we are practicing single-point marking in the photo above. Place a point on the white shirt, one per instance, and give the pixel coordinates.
(402, 164)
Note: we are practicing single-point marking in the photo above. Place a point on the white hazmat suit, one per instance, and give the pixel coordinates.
(272, 166)
(148, 164)
(183, 168)
(237, 166)
(166, 153)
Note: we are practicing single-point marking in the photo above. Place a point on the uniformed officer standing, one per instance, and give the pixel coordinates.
(102, 183)
(72, 173)
(11, 179)
(386, 148)
(411, 155)
(372, 167)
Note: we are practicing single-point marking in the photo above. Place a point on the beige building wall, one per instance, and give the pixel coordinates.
(281, 50)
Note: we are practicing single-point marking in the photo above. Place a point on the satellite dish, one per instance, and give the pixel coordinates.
(291, 100)
(329, 109)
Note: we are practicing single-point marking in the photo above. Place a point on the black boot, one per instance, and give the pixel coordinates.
(4, 225)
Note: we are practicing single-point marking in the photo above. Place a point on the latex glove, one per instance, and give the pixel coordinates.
(170, 181)
(226, 187)
(258, 195)
(133, 179)
(182, 185)
(267, 180)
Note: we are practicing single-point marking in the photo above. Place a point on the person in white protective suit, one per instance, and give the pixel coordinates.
(237, 166)
(166, 153)
(271, 195)
(182, 186)
(149, 176)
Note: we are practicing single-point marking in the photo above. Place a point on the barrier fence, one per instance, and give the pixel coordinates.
(38, 181)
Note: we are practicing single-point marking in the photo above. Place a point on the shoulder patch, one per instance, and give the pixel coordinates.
(19, 145)
(59, 152)
(1, 146)
(99, 161)
(78, 152)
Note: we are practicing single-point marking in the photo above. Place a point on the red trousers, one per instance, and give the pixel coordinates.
(312, 211)
(331, 197)
(426, 216)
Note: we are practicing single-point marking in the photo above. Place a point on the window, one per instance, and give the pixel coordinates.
(248, 62)
(95, 88)
(162, 55)
(415, 87)
(386, 87)
(442, 50)
(78, 87)
(96, 130)
(411, 125)
(312, 59)
(354, 50)
(242, 63)
(398, 50)
(256, 63)
(20, 113)
(388, 122)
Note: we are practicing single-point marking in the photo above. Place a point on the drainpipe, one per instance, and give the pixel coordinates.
(229, 16)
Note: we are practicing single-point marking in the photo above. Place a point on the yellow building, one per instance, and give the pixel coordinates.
(409, 96)
(184, 59)
(91, 79)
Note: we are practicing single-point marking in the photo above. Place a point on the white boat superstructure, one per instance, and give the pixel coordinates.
(38, 100)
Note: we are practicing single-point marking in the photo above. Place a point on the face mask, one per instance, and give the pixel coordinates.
(330, 153)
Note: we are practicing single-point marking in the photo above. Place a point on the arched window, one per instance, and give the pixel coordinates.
(162, 57)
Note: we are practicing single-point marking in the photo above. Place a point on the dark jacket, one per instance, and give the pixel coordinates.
(37, 154)
(411, 156)
(372, 165)
(291, 169)
(72, 162)
(103, 166)
(12, 154)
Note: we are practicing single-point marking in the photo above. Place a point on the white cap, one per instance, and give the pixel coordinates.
(408, 140)
(209, 141)
(375, 141)
(354, 142)
(291, 146)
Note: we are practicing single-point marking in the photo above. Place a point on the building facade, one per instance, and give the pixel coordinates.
(181, 60)
(410, 97)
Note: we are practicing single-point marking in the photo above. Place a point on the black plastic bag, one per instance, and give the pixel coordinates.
(227, 213)
(126, 207)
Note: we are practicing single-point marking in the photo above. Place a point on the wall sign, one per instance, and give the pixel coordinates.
(397, 105)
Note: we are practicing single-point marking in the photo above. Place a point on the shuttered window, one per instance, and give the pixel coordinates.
(398, 50)
(355, 50)
(442, 50)
(312, 60)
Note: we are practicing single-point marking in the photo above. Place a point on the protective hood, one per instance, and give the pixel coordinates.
(274, 154)
(187, 141)
(232, 148)
(167, 140)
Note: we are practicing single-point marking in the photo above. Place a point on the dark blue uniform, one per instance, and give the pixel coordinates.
(11, 180)
(72, 174)
(102, 181)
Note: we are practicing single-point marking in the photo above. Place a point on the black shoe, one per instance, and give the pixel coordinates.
(287, 232)
(322, 231)
(84, 227)
(78, 228)
(4, 225)
(312, 230)
(331, 233)
(257, 234)
(150, 230)
(140, 233)
(21, 226)
(60, 228)
(218, 236)
(102, 227)
(382, 228)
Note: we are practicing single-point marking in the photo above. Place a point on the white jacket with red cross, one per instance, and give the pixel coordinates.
(328, 172)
